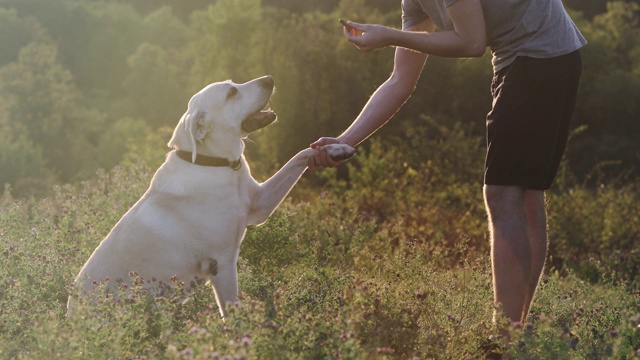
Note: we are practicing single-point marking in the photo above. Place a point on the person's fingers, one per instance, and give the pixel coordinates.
(327, 159)
(357, 26)
(353, 30)
(317, 143)
(311, 162)
(321, 158)
(320, 155)
(323, 141)
(316, 157)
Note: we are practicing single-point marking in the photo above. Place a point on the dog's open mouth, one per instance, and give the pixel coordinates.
(258, 120)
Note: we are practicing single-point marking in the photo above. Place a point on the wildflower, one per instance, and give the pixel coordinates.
(271, 325)
(185, 352)
(384, 350)
(246, 342)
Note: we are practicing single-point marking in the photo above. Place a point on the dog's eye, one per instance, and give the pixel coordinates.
(232, 92)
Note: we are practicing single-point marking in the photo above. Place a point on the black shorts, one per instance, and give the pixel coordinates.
(528, 125)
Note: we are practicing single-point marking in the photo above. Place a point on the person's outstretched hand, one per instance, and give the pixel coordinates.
(365, 36)
(321, 158)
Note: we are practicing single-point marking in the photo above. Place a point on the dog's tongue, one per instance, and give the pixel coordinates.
(259, 120)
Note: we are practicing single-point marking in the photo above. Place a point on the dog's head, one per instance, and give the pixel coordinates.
(221, 115)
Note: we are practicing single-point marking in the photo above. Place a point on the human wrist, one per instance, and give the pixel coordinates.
(346, 140)
(395, 37)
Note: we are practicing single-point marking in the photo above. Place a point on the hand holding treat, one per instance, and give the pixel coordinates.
(349, 28)
(367, 37)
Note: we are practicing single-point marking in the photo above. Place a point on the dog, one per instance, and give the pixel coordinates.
(190, 222)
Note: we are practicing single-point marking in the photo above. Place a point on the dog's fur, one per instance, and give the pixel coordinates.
(192, 219)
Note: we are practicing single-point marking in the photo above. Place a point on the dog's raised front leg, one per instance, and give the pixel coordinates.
(271, 193)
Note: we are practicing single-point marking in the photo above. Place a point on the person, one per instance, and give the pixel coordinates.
(536, 61)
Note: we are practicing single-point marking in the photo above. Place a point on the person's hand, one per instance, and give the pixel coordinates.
(367, 37)
(321, 158)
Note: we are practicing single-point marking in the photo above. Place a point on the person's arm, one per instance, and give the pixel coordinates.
(391, 95)
(467, 39)
(384, 102)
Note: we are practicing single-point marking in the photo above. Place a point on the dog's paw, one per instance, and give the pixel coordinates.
(340, 152)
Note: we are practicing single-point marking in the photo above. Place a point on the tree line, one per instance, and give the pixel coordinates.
(87, 85)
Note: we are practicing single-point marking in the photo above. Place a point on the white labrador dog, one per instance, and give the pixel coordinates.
(192, 219)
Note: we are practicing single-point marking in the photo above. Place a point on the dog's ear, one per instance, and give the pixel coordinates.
(194, 127)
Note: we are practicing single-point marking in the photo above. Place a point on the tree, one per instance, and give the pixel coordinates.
(22, 165)
(16, 32)
(42, 104)
(164, 29)
(155, 86)
(608, 102)
(123, 137)
(223, 42)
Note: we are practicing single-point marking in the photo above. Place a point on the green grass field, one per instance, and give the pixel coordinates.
(392, 265)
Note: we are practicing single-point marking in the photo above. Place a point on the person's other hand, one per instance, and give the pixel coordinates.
(321, 158)
(367, 37)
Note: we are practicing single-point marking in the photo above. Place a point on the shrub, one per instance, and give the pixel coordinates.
(356, 272)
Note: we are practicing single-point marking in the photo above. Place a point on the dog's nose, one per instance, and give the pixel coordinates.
(267, 81)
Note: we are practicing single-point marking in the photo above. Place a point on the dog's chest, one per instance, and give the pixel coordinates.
(202, 201)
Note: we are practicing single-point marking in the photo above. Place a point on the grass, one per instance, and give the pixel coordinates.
(395, 268)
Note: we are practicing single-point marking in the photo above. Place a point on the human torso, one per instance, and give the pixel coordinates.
(535, 28)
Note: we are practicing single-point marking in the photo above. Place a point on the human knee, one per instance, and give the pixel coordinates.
(498, 197)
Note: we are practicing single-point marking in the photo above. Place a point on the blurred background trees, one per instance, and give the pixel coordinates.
(85, 84)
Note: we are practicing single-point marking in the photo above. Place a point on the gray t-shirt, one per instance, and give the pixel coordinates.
(534, 28)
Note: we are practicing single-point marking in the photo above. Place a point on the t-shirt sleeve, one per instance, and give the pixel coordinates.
(412, 14)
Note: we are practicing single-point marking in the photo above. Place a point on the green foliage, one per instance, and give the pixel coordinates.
(349, 271)
(576, 320)
(607, 244)
(156, 81)
(17, 32)
(610, 84)
(125, 136)
(224, 41)
(23, 165)
(389, 264)
(42, 105)
(427, 176)
(72, 70)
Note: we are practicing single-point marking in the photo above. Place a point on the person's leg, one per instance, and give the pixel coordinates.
(511, 254)
(527, 130)
(537, 228)
(518, 226)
